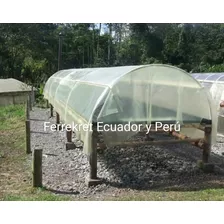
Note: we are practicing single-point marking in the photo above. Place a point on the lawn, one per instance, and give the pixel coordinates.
(16, 169)
(15, 165)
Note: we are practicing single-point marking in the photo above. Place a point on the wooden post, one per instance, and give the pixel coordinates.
(51, 111)
(69, 135)
(69, 144)
(30, 102)
(27, 125)
(148, 137)
(28, 144)
(59, 126)
(47, 103)
(204, 164)
(93, 180)
(93, 156)
(57, 118)
(37, 168)
(27, 110)
(207, 144)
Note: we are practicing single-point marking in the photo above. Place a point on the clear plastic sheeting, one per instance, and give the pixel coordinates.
(130, 94)
(214, 83)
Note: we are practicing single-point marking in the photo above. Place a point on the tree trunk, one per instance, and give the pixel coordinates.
(88, 55)
(109, 43)
(83, 57)
(98, 43)
(93, 46)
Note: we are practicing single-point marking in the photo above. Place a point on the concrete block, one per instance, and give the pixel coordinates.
(92, 182)
(70, 145)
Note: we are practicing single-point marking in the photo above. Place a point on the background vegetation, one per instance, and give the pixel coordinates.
(29, 52)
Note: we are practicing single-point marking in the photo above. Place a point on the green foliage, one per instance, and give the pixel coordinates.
(29, 52)
(40, 101)
(8, 115)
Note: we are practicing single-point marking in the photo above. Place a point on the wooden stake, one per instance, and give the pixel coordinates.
(28, 145)
(207, 145)
(47, 104)
(37, 168)
(93, 155)
(27, 110)
(30, 102)
(51, 111)
(57, 118)
(69, 135)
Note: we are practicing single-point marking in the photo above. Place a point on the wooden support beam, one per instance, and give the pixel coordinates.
(51, 111)
(93, 156)
(37, 168)
(93, 180)
(69, 135)
(153, 128)
(196, 142)
(27, 109)
(160, 142)
(148, 137)
(57, 118)
(207, 144)
(47, 103)
(179, 135)
(59, 126)
(69, 144)
(28, 136)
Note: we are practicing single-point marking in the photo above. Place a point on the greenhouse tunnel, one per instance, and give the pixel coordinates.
(138, 94)
(214, 83)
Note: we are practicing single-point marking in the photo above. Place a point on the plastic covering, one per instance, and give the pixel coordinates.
(214, 83)
(119, 95)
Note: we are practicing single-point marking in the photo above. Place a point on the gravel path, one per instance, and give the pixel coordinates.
(122, 170)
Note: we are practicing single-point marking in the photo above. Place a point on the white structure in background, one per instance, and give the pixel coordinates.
(13, 91)
(214, 82)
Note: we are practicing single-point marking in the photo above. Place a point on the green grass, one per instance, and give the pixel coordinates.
(16, 172)
(35, 195)
(11, 116)
(12, 111)
(15, 165)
